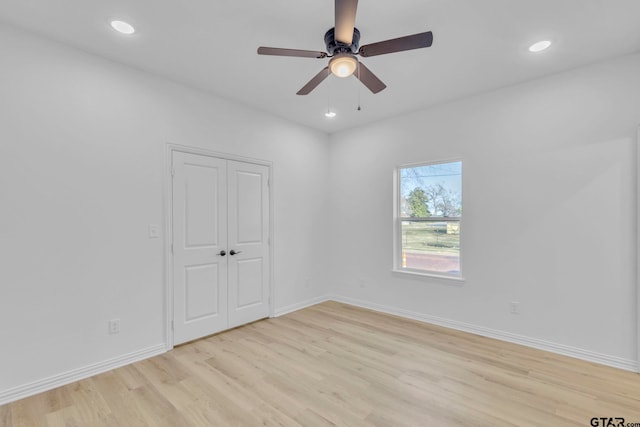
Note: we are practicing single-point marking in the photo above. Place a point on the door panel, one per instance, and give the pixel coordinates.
(201, 205)
(247, 272)
(249, 206)
(202, 283)
(199, 234)
(248, 234)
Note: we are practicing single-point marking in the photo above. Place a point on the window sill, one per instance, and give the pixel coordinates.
(427, 274)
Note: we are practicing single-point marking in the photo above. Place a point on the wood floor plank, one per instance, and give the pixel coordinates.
(338, 365)
(5, 416)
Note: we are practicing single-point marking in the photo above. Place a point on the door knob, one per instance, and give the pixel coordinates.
(234, 252)
(223, 253)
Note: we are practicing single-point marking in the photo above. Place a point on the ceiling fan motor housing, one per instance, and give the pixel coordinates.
(335, 47)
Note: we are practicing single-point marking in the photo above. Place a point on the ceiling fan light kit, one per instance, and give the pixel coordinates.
(343, 65)
(343, 44)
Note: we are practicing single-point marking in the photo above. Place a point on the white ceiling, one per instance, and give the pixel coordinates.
(479, 45)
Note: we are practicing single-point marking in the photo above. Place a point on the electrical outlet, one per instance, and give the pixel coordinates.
(362, 282)
(307, 283)
(514, 307)
(154, 231)
(114, 326)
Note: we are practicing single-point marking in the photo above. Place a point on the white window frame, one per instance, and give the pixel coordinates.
(397, 227)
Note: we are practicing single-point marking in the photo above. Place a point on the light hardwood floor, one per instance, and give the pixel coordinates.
(334, 364)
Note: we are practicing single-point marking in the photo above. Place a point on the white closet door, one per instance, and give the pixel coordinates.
(248, 233)
(199, 246)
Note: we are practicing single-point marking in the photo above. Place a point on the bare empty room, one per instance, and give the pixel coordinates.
(319, 213)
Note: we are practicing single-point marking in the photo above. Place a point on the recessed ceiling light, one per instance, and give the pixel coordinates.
(539, 46)
(330, 114)
(123, 27)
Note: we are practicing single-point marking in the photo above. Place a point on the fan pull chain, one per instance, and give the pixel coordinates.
(329, 113)
(328, 93)
(359, 109)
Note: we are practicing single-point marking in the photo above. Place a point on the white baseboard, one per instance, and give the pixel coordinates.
(50, 383)
(578, 353)
(36, 387)
(299, 306)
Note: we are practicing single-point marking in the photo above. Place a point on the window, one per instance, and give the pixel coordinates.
(428, 214)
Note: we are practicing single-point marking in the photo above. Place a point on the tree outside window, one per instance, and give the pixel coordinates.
(429, 213)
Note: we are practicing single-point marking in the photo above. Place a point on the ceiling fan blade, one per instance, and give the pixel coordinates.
(400, 44)
(314, 82)
(290, 52)
(345, 20)
(369, 79)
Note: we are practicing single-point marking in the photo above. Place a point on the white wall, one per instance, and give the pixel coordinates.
(549, 202)
(549, 211)
(82, 146)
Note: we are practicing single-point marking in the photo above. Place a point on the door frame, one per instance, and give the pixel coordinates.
(637, 268)
(167, 218)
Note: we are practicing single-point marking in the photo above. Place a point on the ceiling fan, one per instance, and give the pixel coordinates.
(343, 44)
